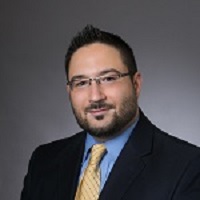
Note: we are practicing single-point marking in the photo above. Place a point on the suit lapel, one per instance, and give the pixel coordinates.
(131, 161)
(69, 168)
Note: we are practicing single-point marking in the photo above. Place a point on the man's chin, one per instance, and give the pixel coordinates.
(98, 131)
(98, 124)
(97, 120)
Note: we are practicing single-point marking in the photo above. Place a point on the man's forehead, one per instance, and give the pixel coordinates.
(95, 51)
(100, 70)
(94, 59)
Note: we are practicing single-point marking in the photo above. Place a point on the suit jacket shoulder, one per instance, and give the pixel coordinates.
(175, 147)
(52, 152)
(54, 169)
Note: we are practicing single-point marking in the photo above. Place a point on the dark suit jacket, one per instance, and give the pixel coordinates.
(152, 166)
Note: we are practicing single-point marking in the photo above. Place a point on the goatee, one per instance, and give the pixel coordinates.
(127, 113)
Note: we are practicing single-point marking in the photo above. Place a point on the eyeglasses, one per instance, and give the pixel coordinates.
(82, 83)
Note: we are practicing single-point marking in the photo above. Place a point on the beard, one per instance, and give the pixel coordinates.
(126, 114)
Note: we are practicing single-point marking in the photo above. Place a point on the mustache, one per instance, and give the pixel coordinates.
(98, 105)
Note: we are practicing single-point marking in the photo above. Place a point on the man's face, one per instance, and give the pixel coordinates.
(103, 109)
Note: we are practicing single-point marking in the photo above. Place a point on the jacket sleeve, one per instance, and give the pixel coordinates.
(188, 187)
(27, 188)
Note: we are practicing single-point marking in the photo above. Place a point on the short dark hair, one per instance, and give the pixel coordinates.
(90, 35)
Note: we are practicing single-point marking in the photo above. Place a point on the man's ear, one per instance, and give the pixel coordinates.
(137, 83)
(68, 89)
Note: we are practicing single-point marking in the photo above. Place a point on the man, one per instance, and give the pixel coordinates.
(137, 162)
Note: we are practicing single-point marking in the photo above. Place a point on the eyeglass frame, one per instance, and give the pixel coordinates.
(98, 79)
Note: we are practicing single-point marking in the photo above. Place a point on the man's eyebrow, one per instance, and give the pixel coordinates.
(77, 77)
(110, 70)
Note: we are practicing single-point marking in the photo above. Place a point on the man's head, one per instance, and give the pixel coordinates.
(90, 35)
(103, 82)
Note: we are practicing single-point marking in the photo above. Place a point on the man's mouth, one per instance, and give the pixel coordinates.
(97, 112)
(98, 109)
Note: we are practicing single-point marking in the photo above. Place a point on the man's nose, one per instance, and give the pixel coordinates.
(96, 92)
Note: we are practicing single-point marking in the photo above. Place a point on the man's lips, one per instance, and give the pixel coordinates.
(98, 108)
(99, 111)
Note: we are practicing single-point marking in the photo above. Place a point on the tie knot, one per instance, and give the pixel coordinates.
(98, 150)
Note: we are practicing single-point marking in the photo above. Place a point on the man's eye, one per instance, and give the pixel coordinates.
(110, 78)
(80, 83)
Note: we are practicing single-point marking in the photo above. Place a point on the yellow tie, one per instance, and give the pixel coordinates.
(89, 185)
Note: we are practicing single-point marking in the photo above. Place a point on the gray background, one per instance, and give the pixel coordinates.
(34, 34)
